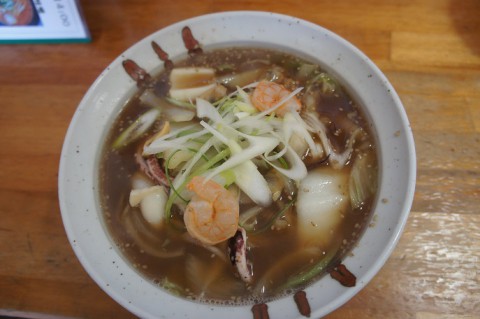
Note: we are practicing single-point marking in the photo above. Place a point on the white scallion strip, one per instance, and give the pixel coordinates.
(256, 126)
(244, 96)
(244, 107)
(257, 146)
(214, 132)
(246, 121)
(248, 86)
(161, 144)
(297, 170)
(206, 110)
(293, 123)
(178, 129)
(187, 168)
(137, 128)
(276, 156)
(363, 179)
(249, 179)
(337, 160)
(247, 176)
(282, 152)
(248, 218)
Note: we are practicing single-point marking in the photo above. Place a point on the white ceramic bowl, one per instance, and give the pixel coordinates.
(78, 174)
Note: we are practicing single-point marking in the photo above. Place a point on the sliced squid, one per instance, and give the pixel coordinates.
(237, 246)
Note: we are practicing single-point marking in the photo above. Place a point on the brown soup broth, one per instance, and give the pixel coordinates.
(165, 257)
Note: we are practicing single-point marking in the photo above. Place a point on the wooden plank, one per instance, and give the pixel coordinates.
(438, 113)
(43, 297)
(447, 191)
(437, 151)
(22, 175)
(27, 212)
(36, 255)
(436, 81)
(475, 113)
(435, 49)
(432, 271)
(34, 119)
(430, 51)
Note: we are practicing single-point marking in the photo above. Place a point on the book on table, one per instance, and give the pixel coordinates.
(42, 21)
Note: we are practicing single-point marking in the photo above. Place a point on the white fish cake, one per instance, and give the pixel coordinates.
(322, 200)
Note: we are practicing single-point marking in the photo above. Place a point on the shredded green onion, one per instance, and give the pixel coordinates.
(202, 169)
(180, 103)
(303, 277)
(136, 129)
(248, 218)
(283, 162)
(272, 220)
(167, 174)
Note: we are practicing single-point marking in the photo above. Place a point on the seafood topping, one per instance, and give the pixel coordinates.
(268, 94)
(155, 171)
(212, 214)
(236, 142)
(151, 168)
(237, 246)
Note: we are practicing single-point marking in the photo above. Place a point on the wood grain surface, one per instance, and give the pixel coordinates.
(429, 50)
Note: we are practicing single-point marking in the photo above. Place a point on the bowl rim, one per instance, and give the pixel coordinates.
(67, 177)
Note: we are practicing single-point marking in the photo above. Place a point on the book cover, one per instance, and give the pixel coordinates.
(42, 21)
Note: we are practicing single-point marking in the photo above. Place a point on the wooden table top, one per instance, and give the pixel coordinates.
(429, 50)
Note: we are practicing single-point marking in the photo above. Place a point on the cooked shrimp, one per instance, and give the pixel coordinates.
(212, 214)
(267, 94)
